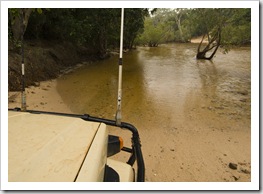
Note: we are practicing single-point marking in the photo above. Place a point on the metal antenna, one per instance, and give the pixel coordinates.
(118, 113)
(23, 93)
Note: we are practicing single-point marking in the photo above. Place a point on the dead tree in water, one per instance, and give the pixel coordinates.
(212, 45)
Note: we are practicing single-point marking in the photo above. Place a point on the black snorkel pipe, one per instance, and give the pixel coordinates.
(136, 153)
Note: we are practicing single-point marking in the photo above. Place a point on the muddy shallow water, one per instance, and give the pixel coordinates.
(193, 115)
(163, 82)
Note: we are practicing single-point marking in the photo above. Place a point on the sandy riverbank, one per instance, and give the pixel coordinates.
(44, 97)
(190, 152)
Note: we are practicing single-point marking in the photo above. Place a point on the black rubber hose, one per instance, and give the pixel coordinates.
(135, 141)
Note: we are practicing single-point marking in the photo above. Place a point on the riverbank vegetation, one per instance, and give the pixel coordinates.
(220, 27)
(54, 39)
(96, 29)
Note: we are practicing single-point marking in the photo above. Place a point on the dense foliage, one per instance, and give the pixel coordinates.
(98, 28)
(180, 25)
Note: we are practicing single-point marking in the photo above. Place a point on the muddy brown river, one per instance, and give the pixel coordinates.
(163, 84)
(193, 115)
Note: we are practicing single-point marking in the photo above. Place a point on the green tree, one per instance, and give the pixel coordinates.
(178, 16)
(166, 25)
(238, 28)
(18, 19)
(153, 32)
(134, 24)
(222, 27)
(97, 29)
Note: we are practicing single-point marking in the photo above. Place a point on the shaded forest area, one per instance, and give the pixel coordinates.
(55, 39)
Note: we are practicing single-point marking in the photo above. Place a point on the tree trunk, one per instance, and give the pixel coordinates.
(213, 44)
(178, 21)
(19, 22)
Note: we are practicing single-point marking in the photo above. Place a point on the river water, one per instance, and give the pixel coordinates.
(163, 84)
(193, 116)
